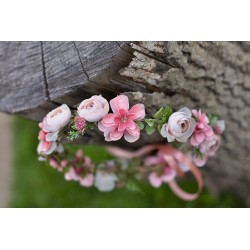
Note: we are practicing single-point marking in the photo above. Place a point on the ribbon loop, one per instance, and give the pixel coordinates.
(173, 157)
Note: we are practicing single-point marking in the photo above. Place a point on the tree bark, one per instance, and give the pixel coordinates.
(213, 76)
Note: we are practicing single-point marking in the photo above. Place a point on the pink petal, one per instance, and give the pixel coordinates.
(41, 135)
(109, 118)
(79, 154)
(119, 102)
(155, 180)
(131, 125)
(116, 135)
(169, 176)
(199, 137)
(193, 141)
(131, 137)
(122, 126)
(137, 112)
(200, 161)
(87, 181)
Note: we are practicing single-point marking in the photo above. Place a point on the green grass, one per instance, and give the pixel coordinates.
(38, 185)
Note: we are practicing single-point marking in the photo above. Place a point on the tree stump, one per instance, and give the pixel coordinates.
(35, 77)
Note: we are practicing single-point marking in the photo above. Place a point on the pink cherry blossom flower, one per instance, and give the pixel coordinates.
(210, 147)
(180, 126)
(202, 130)
(57, 119)
(156, 180)
(93, 109)
(122, 121)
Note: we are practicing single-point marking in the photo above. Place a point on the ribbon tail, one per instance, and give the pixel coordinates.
(118, 152)
(181, 193)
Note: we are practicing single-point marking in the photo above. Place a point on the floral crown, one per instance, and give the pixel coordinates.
(191, 138)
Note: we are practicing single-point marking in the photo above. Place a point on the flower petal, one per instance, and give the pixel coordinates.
(186, 111)
(155, 180)
(128, 136)
(137, 112)
(116, 135)
(119, 102)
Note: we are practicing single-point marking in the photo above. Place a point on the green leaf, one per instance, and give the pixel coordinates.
(140, 125)
(163, 114)
(159, 127)
(150, 122)
(150, 130)
(159, 113)
(131, 185)
(213, 118)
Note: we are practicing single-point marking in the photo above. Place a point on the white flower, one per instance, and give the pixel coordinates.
(180, 126)
(105, 182)
(93, 109)
(57, 119)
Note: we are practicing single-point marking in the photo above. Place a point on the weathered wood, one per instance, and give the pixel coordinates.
(37, 76)
(213, 76)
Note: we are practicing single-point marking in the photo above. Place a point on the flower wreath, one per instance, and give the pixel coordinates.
(192, 137)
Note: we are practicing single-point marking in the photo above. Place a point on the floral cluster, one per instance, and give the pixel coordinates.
(196, 133)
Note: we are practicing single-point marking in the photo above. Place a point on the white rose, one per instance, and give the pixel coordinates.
(93, 109)
(57, 119)
(105, 182)
(180, 126)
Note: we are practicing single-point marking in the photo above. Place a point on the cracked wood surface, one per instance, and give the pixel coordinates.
(213, 76)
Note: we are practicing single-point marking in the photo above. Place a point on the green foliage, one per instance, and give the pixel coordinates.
(73, 135)
(133, 186)
(163, 114)
(150, 130)
(140, 125)
(213, 118)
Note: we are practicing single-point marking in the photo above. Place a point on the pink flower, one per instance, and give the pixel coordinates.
(93, 109)
(87, 181)
(207, 148)
(72, 174)
(210, 147)
(200, 160)
(47, 142)
(157, 180)
(121, 122)
(219, 127)
(57, 119)
(46, 147)
(202, 130)
(180, 126)
(80, 124)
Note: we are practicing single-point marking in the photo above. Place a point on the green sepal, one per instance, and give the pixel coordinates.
(150, 122)
(150, 130)
(213, 118)
(163, 114)
(140, 125)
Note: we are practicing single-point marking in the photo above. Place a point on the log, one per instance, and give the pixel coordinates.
(213, 76)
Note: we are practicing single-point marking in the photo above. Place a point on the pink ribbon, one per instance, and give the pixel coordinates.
(172, 157)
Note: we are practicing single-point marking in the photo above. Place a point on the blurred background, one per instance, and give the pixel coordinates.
(26, 182)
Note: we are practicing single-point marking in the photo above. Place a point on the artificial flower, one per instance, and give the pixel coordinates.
(180, 126)
(202, 130)
(122, 120)
(57, 119)
(93, 109)
(105, 182)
